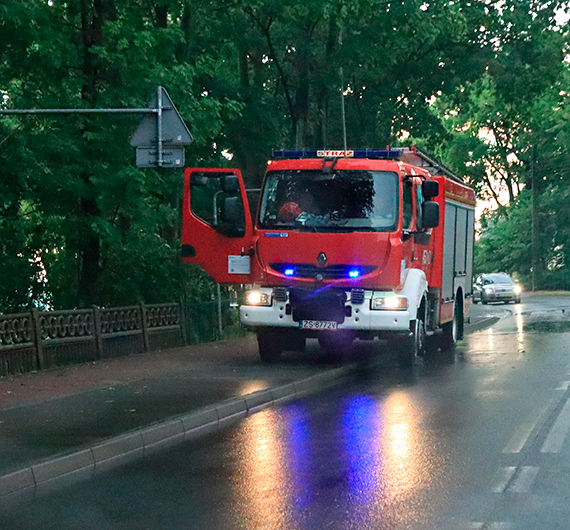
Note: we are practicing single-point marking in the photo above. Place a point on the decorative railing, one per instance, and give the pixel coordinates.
(42, 339)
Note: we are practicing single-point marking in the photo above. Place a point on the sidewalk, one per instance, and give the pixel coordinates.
(72, 422)
(68, 423)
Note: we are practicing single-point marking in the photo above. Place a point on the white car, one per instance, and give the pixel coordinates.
(496, 287)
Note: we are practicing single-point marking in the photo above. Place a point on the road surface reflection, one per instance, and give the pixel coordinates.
(294, 470)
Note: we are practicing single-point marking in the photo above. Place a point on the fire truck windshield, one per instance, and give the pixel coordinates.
(340, 200)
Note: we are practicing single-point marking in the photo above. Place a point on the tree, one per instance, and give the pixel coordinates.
(91, 208)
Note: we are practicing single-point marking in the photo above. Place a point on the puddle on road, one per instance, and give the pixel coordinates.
(548, 326)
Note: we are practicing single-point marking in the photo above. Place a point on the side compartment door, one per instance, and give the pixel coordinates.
(448, 277)
(217, 230)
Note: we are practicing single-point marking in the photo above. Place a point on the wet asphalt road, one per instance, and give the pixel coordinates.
(478, 440)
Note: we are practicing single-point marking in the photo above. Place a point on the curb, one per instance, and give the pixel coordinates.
(482, 324)
(68, 468)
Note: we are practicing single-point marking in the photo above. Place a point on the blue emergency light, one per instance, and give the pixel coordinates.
(290, 271)
(354, 273)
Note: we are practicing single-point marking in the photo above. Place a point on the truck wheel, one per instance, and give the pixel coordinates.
(270, 346)
(414, 345)
(453, 331)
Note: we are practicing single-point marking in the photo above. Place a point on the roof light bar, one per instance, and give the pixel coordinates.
(338, 153)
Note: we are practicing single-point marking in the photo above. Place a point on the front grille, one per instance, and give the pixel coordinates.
(332, 272)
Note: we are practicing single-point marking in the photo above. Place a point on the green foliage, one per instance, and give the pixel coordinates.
(505, 241)
(80, 225)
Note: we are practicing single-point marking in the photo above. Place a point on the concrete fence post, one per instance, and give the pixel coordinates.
(144, 327)
(98, 332)
(182, 322)
(37, 333)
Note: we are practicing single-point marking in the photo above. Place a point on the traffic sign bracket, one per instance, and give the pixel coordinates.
(163, 129)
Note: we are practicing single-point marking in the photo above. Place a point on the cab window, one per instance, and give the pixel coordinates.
(203, 199)
(408, 204)
(419, 202)
(212, 197)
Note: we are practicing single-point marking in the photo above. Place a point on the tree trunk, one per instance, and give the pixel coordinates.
(93, 17)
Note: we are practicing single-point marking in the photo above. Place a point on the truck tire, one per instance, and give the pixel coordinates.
(453, 331)
(270, 346)
(413, 345)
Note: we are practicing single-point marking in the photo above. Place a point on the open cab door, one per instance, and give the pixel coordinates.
(217, 230)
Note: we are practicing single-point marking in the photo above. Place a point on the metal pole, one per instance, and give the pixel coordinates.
(532, 221)
(342, 98)
(159, 126)
(220, 327)
(78, 111)
(342, 109)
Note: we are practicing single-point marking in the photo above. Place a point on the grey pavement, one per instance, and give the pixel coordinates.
(70, 423)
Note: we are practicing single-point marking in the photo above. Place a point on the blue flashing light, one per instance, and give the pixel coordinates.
(354, 273)
(290, 271)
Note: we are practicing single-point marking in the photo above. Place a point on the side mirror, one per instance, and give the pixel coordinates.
(430, 189)
(430, 214)
(230, 184)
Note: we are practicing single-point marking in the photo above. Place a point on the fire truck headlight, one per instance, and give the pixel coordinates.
(256, 297)
(389, 303)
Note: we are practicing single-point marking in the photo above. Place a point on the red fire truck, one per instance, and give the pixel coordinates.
(345, 244)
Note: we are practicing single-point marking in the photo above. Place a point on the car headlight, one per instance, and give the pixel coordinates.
(488, 290)
(389, 303)
(257, 297)
(517, 289)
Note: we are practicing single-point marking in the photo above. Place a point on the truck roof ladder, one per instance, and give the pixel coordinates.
(413, 155)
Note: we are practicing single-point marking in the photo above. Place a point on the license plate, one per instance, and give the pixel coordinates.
(318, 324)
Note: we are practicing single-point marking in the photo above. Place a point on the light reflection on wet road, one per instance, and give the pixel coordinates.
(454, 443)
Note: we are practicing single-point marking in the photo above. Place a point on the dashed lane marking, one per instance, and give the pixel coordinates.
(514, 479)
(523, 480)
(502, 478)
(490, 526)
(523, 431)
(559, 431)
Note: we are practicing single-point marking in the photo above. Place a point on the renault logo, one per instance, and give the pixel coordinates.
(322, 259)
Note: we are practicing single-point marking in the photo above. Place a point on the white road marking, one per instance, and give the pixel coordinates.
(524, 479)
(523, 432)
(518, 441)
(564, 386)
(490, 526)
(559, 431)
(514, 479)
(502, 478)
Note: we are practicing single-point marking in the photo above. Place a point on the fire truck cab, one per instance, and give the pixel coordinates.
(344, 245)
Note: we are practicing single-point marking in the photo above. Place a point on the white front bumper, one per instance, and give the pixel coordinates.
(362, 318)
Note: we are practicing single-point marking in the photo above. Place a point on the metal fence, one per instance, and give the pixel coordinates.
(44, 339)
